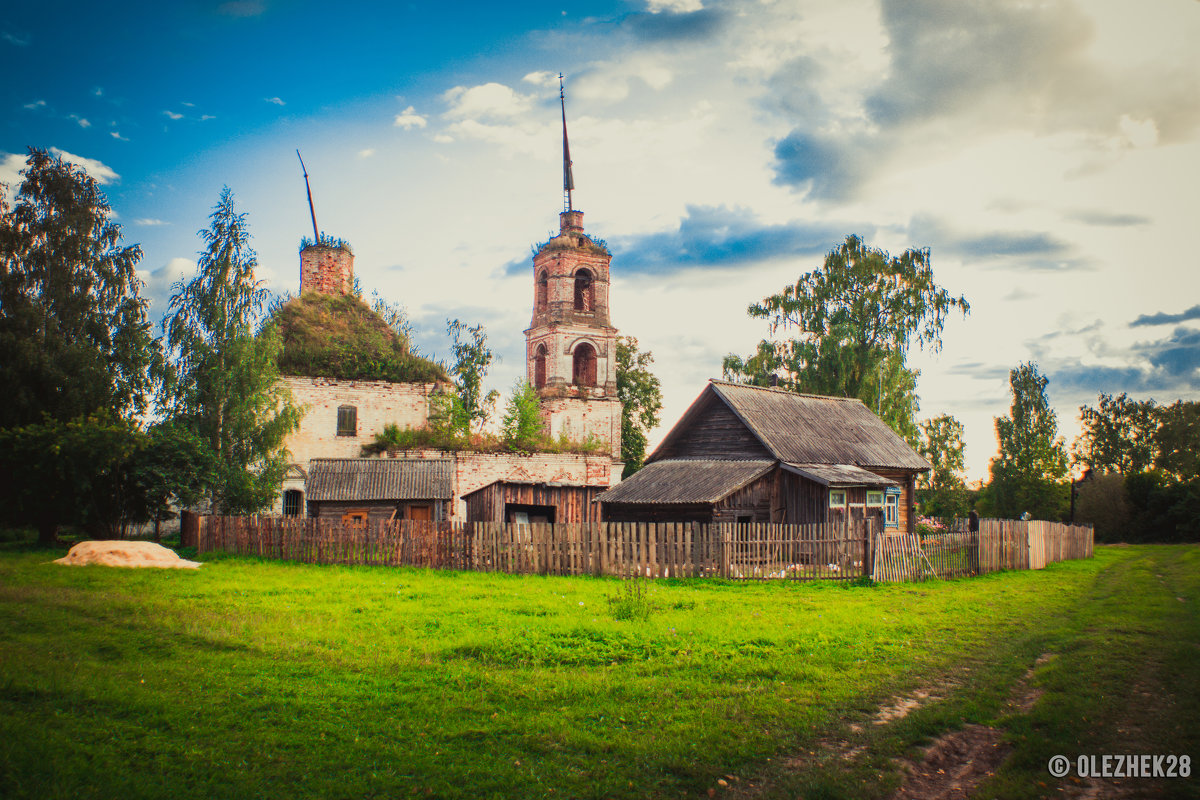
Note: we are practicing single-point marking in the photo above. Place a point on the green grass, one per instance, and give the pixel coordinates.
(251, 678)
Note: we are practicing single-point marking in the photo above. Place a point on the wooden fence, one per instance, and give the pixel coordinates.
(998, 544)
(740, 552)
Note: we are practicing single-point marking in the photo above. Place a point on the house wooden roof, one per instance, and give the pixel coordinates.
(837, 475)
(359, 479)
(686, 481)
(801, 428)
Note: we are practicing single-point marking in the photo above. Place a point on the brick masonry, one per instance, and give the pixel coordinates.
(329, 270)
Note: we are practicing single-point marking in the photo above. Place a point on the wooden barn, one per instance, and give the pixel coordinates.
(750, 454)
(362, 490)
(533, 502)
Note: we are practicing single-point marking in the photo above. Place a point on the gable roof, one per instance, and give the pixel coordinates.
(804, 428)
(358, 479)
(839, 475)
(686, 481)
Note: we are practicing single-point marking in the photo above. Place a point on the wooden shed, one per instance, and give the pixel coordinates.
(533, 502)
(362, 490)
(750, 454)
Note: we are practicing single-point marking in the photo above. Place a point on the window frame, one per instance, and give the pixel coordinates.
(347, 421)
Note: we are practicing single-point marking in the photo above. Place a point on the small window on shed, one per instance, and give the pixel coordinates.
(874, 498)
(347, 422)
(356, 517)
(837, 498)
(293, 501)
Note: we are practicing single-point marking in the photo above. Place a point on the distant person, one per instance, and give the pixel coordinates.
(973, 521)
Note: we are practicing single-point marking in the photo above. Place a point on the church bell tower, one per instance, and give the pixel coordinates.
(571, 346)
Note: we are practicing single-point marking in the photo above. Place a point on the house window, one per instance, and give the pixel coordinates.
(583, 365)
(891, 510)
(874, 498)
(837, 499)
(584, 291)
(347, 423)
(356, 517)
(293, 501)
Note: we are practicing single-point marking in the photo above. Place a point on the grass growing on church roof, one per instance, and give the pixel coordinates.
(339, 336)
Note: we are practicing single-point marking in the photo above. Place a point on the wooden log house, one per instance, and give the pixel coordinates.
(369, 490)
(751, 454)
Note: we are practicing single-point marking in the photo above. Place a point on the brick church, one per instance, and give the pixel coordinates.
(570, 361)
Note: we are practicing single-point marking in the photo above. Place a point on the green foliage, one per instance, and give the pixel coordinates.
(326, 240)
(640, 394)
(943, 491)
(1029, 472)
(522, 427)
(472, 357)
(855, 319)
(340, 336)
(223, 381)
(77, 473)
(630, 603)
(175, 468)
(1101, 501)
(1117, 435)
(73, 330)
(439, 435)
(1177, 441)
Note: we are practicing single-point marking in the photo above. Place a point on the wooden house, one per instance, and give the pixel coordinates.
(362, 490)
(750, 454)
(533, 502)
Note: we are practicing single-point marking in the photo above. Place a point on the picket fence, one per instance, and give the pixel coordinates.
(831, 551)
(658, 550)
(999, 544)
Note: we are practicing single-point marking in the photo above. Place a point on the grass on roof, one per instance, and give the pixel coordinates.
(339, 336)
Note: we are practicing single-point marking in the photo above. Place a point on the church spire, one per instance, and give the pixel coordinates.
(568, 177)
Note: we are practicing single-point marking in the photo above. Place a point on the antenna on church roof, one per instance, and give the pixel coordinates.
(568, 177)
(311, 210)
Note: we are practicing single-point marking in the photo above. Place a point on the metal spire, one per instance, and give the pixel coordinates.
(568, 177)
(311, 210)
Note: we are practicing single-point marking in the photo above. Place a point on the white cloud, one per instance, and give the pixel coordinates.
(100, 171)
(1138, 132)
(487, 101)
(542, 78)
(409, 119)
(189, 105)
(173, 115)
(10, 168)
(36, 104)
(19, 39)
(275, 100)
(206, 117)
(673, 6)
(83, 123)
(117, 135)
(150, 222)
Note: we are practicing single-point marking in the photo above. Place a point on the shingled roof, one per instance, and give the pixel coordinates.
(361, 479)
(686, 481)
(804, 428)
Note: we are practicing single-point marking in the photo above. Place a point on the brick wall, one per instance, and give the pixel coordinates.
(326, 269)
(579, 418)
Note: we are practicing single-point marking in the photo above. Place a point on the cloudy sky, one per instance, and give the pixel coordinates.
(1046, 151)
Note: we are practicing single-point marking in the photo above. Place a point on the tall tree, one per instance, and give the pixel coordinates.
(73, 328)
(1029, 472)
(472, 358)
(1117, 436)
(854, 320)
(640, 394)
(1177, 441)
(944, 490)
(223, 381)
(522, 427)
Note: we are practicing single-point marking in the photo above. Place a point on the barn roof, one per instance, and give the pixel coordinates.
(357, 479)
(686, 481)
(530, 482)
(805, 428)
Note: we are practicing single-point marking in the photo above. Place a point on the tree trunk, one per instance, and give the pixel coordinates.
(47, 532)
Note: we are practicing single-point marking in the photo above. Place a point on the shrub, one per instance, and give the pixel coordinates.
(630, 602)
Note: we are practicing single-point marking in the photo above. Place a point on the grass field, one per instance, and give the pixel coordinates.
(250, 678)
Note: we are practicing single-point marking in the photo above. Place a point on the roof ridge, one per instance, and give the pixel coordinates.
(788, 392)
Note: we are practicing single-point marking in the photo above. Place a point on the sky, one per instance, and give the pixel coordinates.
(1047, 152)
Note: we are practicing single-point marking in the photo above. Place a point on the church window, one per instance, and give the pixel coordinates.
(542, 287)
(539, 367)
(293, 501)
(347, 421)
(585, 290)
(584, 365)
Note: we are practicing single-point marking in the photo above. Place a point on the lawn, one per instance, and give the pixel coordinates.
(251, 678)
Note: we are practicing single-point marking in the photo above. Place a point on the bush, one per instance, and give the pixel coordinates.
(630, 602)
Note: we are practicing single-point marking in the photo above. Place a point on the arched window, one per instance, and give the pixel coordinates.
(584, 291)
(583, 371)
(542, 284)
(539, 367)
(293, 502)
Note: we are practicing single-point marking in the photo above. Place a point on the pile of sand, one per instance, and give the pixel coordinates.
(125, 554)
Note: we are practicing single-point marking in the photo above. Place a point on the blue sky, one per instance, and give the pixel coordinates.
(1047, 153)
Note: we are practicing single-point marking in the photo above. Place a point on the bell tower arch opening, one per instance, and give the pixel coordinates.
(539, 367)
(585, 290)
(583, 365)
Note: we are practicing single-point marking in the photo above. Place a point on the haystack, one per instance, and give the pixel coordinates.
(125, 554)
